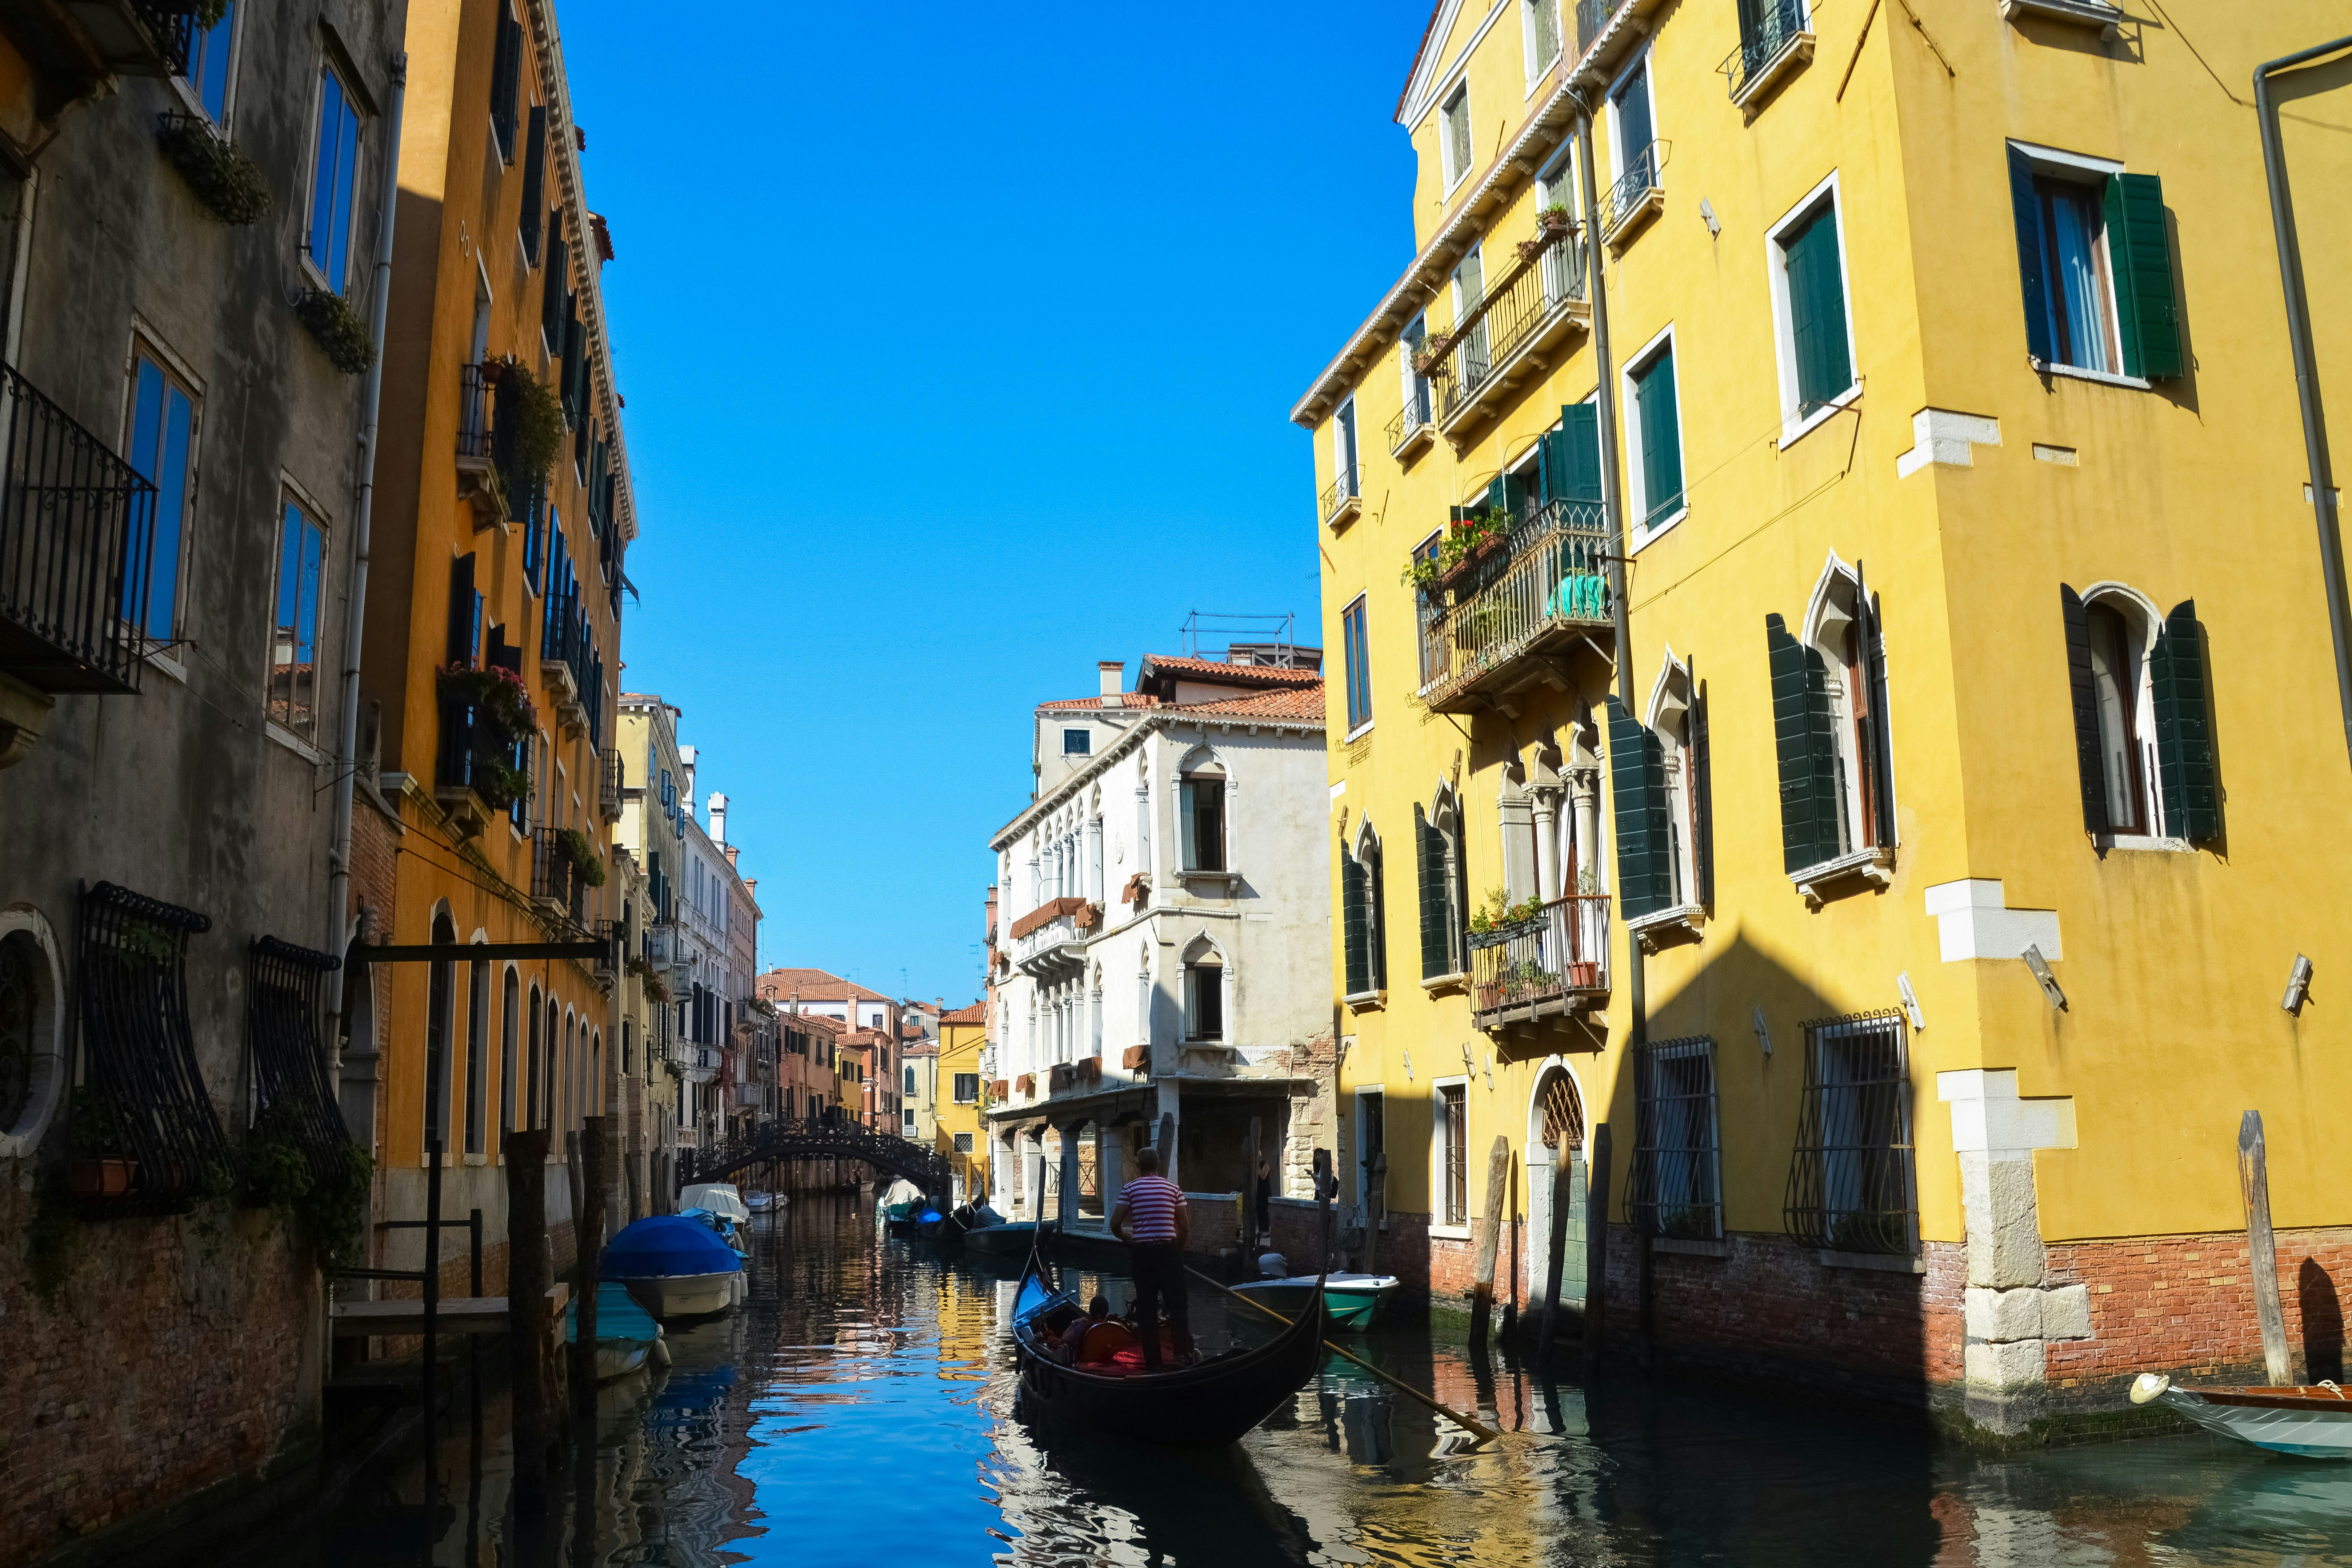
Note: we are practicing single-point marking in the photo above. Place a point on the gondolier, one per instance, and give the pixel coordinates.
(1152, 1215)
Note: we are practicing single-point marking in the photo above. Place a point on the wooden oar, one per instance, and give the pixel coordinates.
(1486, 1435)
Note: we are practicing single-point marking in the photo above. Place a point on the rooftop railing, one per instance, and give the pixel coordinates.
(77, 536)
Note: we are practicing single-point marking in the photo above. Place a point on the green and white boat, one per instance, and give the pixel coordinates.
(1349, 1300)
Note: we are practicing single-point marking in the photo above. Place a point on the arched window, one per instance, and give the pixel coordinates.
(477, 1051)
(531, 1088)
(509, 1022)
(1444, 918)
(1204, 994)
(2142, 728)
(1363, 931)
(595, 1097)
(1829, 722)
(1678, 718)
(1202, 813)
(548, 1077)
(439, 1002)
(571, 1067)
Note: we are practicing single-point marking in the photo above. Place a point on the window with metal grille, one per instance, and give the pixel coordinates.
(1677, 1185)
(1851, 1186)
(1454, 1106)
(963, 1142)
(292, 1099)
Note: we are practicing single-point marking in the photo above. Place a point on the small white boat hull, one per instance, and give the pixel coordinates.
(2310, 1422)
(686, 1295)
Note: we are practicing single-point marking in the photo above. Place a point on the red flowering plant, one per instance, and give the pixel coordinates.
(496, 692)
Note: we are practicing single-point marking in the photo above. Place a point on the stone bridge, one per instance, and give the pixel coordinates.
(927, 1168)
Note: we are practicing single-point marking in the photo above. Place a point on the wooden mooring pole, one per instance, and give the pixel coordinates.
(588, 1247)
(1596, 1250)
(2261, 1248)
(526, 1287)
(1490, 1231)
(1563, 1176)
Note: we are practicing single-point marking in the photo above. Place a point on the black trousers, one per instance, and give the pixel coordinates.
(1159, 1272)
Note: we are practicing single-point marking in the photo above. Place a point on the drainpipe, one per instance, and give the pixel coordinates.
(347, 737)
(2306, 374)
(1613, 508)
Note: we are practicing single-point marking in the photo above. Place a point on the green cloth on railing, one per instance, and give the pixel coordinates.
(1581, 596)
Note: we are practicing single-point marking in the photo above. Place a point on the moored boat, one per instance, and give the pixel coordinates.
(1349, 1300)
(1213, 1401)
(1005, 1243)
(763, 1203)
(2313, 1422)
(674, 1267)
(718, 1197)
(626, 1334)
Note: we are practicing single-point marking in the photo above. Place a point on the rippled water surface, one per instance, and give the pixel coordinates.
(861, 1410)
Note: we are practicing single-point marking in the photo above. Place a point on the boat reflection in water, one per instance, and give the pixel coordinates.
(787, 1431)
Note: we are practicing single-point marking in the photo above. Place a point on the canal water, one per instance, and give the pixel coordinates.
(861, 1410)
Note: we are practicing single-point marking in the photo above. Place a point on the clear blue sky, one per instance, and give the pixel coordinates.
(958, 343)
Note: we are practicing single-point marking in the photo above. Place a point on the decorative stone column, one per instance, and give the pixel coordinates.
(1584, 791)
(2011, 1314)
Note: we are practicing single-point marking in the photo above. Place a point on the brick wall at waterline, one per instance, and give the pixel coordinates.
(171, 1357)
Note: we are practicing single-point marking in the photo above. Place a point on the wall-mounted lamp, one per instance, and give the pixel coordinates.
(1763, 1035)
(2298, 985)
(1490, 1070)
(1910, 1001)
(2049, 982)
(1408, 1064)
(1707, 211)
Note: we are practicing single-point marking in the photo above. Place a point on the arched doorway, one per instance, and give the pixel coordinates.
(1556, 1126)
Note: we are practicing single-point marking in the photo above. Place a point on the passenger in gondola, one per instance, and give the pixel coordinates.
(1152, 1215)
(1074, 1338)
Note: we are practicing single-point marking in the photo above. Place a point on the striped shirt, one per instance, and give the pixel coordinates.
(1152, 1203)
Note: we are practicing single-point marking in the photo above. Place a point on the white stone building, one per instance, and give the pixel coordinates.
(1166, 953)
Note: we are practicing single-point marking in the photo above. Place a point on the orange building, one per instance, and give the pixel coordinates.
(493, 624)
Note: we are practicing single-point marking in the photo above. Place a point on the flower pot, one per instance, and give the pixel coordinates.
(1583, 976)
(103, 1178)
(1551, 222)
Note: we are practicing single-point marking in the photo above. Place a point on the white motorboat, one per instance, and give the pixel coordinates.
(720, 1198)
(763, 1203)
(2314, 1422)
(675, 1267)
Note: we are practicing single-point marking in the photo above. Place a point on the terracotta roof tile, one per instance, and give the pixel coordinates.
(1223, 673)
(975, 1014)
(1292, 702)
(812, 985)
(1126, 700)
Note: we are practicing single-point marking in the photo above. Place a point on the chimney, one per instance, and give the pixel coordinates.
(718, 814)
(733, 851)
(1112, 672)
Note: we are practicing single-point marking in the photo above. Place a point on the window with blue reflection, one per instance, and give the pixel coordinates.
(335, 160)
(294, 640)
(163, 423)
(208, 65)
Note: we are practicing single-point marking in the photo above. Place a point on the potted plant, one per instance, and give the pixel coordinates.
(1554, 219)
(1427, 357)
(101, 1166)
(495, 691)
(339, 329)
(216, 168)
(586, 864)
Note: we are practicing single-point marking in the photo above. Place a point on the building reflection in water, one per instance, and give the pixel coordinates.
(862, 1407)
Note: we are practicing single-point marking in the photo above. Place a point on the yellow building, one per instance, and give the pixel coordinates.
(1913, 891)
(493, 618)
(962, 1095)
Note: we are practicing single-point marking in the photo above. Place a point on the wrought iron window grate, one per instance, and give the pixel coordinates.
(1851, 1182)
(291, 1093)
(142, 1099)
(1677, 1180)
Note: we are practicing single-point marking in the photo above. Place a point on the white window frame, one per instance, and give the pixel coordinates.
(1413, 388)
(1346, 432)
(1618, 150)
(1084, 733)
(290, 489)
(318, 274)
(2081, 166)
(1536, 69)
(1675, 740)
(2133, 605)
(1360, 602)
(1638, 499)
(192, 94)
(148, 344)
(1794, 427)
(1556, 183)
(1439, 1135)
(1452, 175)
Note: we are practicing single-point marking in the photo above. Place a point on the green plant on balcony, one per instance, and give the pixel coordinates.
(216, 168)
(339, 329)
(529, 424)
(499, 782)
(496, 693)
(1428, 356)
(581, 855)
(1497, 911)
(1554, 219)
(330, 1211)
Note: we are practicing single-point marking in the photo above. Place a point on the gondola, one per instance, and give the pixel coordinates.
(1210, 1403)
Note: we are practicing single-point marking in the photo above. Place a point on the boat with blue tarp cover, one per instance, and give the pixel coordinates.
(675, 1267)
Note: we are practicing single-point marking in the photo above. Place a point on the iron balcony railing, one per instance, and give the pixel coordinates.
(478, 754)
(1339, 492)
(1561, 952)
(172, 24)
(1523, 305)
(1765, 34)
(476, 412)
(1549, 571)
(553, 878)
(77, 538)
(609, 780)
(1633, 187)
(1413, 417)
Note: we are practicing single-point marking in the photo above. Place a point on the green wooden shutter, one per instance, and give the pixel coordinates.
(1572, 457)
(2146, 319)
(2027, 210)
(1375, 936)
(1662, 453)
(1702, 796)
(534, 182)
(2090, 770)
(551, 302)
(2184, 727)
(1638, 794)
(1507, 493)
(1817, 312)
(1881, 761)
(465, 612)
(1353, 899)
(1437, 938)
(1808, 759)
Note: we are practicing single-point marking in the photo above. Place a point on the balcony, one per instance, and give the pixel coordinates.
(1772, 47)
(480, 772)
(558, 884)
(1637, 197)
(1515, 333)
(75, 47)
(1342, 499)
(1543, 967)
(480, 482)
(77, 536)
(1411, 429)
(609, 782)
(560, 670)
(1049, 942)
(1542, 588)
